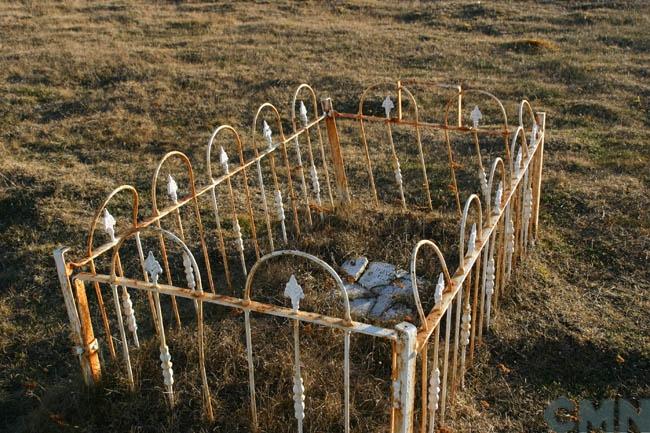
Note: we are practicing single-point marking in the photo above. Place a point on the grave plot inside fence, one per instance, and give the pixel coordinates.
(334, 271)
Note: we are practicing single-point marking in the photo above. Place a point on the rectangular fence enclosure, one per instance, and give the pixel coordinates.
(233, 240)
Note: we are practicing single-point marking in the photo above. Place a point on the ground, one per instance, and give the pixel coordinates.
(91, 95)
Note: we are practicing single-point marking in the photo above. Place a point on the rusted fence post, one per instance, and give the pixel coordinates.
(404, 382)
(89, 369)
(538, 175)
(337, 156)
(90, 345)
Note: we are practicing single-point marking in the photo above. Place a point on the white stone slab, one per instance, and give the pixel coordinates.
(377, 274)
(362, 306)
(355, 267)
(393, 290)
(397, 311)
(383, 303)
(356, 291)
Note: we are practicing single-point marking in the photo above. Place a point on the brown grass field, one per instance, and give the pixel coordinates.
(93, 94)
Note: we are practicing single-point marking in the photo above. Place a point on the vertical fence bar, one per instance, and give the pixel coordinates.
(125, 343)
(540, 162)
(337, 156)
(251, 369)
(434, 383)
(460, 106)
(423, 388)
(346, 381)
(102, 311)
(445, 367)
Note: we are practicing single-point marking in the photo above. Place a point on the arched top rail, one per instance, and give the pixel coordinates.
(468, 91)
(525, 105)
(523, 148)
(414, 284)
(223, 129)
(278, 123)
(496, 164)
(314, 101)
(154, 181)
(463, 222)
(309, 257)
(169, 235)
(398, 88)
(98, 213)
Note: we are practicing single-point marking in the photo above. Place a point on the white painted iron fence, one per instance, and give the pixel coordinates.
(261, 198)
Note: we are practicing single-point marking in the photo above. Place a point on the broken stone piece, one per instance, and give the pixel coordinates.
(393, 290)
(361, 306)
(356, 291)
(383, 303)
(397, 311)
(378, 274)
(401, 273)
(355, 267)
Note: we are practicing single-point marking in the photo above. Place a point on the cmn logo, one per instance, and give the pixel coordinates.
(590, 418)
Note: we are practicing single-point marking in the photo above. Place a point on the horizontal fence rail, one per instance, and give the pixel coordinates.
(207, 238)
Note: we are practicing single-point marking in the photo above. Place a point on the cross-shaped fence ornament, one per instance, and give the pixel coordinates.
(223, 160)
(109, 224)
(440, 287)
(475, 115)
(267, 133)
(294, 292)
(152, 267)
(387, 106)
(172, 189)
(302, 112)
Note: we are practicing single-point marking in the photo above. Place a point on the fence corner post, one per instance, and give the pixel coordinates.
(343, 194)
(538, 176)
(404, 384)
(73, 315)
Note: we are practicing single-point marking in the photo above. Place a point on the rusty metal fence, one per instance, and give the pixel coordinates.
(260, 198)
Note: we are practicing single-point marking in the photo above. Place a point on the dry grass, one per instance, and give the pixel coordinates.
(91, 95)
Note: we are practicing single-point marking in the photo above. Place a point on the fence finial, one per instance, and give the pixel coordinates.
(267, 133)
(440, 287)
(471, 243)
(533, 136)
(388, 105)
(518, 163)
(109, 224)
(302, 111)
(172, 189)
(223, 160)
(152, 266)
(497, 199)
(294, 292)
(475, 115)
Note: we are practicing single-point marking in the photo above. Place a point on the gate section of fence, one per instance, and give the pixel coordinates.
(206, 240)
